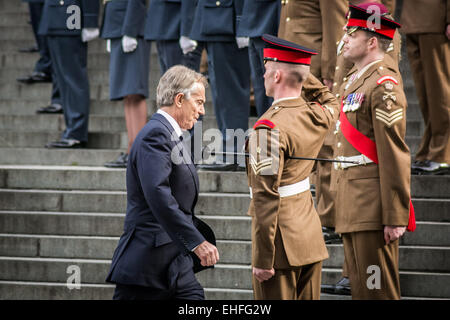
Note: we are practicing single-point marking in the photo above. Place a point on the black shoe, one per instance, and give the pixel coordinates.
(66, 143)
(428, 167)
(29, 49)
(219, 167)
(53, 108)
(343, 287)
(120, 162)
(36, 77)
(330, 236)
(328, 288)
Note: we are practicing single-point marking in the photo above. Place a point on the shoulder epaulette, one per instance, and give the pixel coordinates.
(264, 123)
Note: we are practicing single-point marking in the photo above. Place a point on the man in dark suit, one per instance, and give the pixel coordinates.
(69, 25)
(153, 259)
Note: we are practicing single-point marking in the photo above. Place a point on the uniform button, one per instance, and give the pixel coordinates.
(276, 108)
(288, 19)
(337, 67)
(334, 84)
(217, 3)
(381, 68)
(337, 95)
(61, 2)
(345, 78)
(339, 144)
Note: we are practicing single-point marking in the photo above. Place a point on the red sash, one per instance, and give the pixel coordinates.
(368, 148)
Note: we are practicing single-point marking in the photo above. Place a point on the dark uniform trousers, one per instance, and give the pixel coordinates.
(44, 64)
(377, 264)
(69, 57)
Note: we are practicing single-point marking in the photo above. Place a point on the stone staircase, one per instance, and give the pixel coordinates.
(61, 209)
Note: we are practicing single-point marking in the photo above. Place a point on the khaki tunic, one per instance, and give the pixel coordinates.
(315, 24)
(286, 231)
(425, 16)
(372, 196)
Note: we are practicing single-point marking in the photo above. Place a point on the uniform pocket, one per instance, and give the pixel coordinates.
(218, 18)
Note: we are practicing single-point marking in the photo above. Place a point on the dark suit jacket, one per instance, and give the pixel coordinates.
(161, 195)
(54, 17)
(259, 17)
(163, 20)
(216, 20)
(123, 18)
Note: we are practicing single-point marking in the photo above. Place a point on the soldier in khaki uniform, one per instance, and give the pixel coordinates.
(316, 24)
(325, 197)
(426, 24)
(287, 243)
(373, 204)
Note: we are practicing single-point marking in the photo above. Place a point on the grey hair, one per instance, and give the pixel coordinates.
(178, 79)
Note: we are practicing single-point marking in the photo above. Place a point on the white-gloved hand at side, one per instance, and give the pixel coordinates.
(88, 34)
(187, 45)
(129, 44)
(242, 42)
(108, 45)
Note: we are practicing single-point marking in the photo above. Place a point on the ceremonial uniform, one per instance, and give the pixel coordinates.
(69, 60)
(258, 18)
(375, 192)
(215, 24)
(424, 23)
(286, 230)
(317, 24)
(128, 71)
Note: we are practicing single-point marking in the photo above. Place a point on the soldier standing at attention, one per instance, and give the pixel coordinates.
(129, 66)
(287, 242)
(373, 206)
(427, 28)
(325, 197)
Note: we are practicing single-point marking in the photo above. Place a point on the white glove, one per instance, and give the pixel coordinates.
(129, 44)
(88, 34)
(187, 45)
(108, 45)
(242, 42)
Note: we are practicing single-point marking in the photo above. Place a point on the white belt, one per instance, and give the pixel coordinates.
(360, 159)
(291, 189)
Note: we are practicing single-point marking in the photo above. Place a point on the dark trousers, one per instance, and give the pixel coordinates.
(256, 55)
(44, 64)
(170, 54)
(229, 77)
(69, 61)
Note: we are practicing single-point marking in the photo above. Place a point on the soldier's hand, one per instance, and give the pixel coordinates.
(328, 83)
(447, 32)
(263, 274)
(392, 233)
(207, 253)
(129, 44)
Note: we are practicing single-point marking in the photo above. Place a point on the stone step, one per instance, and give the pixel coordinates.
(93, 247)
(14, 18)
(411, 258)
(13, 6)
(420, 284)
(436, 188)
(80, 157)
(25, 221)
(22, 290)
(104, 224)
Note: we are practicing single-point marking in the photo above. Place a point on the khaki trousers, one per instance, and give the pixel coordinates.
(296, 283)
(429, 57)
(372, 266)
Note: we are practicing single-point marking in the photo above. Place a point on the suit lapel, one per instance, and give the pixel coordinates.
(184, 151)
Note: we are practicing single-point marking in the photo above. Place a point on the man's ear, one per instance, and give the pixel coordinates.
(277, 76)
(179, 99)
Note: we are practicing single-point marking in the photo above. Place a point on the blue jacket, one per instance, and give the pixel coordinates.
(259, 17)
(163, 20)
(216, 20)
(161, 195)
(123, 17)
(57, 15)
